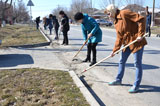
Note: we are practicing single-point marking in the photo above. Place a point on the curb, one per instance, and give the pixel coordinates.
(45, 35)
(88, 96)
(31, 45)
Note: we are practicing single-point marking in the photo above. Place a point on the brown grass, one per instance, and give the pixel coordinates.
(37, 87)
(12, 35)
(155, 30)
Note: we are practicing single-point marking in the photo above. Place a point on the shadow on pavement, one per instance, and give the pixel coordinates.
(76, 39)
(12, 60)
(61, 49)
(92, 92)
(149, 88)
(86, 44)
(145, 66)
(146, 88)
(151, 51)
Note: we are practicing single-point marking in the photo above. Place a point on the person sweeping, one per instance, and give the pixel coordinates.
(129, 27)
(91, 30)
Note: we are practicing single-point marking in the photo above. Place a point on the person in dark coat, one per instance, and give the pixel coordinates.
(91, 29)
(50, 23)
(56, 26)
(37, 22)
(64, 27)
(148, 22)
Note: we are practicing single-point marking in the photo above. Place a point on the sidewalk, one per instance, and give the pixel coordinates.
(41, 57)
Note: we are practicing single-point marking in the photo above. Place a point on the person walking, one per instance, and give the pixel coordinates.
(45, 23)
(56, 27)
(148, 22)
(64, 27)
(50, 23)
(37, 22)
(91, 30)
(129, 27)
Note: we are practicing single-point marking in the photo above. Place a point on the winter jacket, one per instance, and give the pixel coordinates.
(89, 25)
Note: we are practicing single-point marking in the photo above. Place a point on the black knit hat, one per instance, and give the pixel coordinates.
(78, 16)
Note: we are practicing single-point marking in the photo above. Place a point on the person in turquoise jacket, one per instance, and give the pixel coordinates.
(91, 30)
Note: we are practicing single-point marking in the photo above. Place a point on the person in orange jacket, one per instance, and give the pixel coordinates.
(129, 27)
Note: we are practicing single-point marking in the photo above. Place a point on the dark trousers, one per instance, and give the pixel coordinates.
(92, 47)
(50, 30)
(45, 27)
(148, 30)
(65, 37)
(56, 31)
(37, 25)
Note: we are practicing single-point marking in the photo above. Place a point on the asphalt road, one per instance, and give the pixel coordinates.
(98, 77)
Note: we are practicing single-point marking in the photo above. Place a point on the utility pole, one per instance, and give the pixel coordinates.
(113, 2)
(152, 24)
(30, 3)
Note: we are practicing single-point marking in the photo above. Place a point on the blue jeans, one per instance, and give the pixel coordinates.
(137, 63)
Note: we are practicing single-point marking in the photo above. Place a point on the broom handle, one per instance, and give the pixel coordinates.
(81, 47)
(114, 54)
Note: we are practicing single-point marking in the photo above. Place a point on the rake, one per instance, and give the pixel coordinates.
(111, 56)
(80, 50)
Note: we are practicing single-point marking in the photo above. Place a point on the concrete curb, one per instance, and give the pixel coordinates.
(45, 35)
(31, 45)
(88, 96)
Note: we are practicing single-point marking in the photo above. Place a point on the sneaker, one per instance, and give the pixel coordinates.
(133, 89)
(115, 83)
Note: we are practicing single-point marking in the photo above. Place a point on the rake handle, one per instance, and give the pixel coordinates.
(114, 54)
(81, 48)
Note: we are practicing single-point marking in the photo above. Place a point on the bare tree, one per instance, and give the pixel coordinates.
(20, 13)
(120, 3)
(139, 2)
(80, 6)
(5, 5)
(58, 9)
(104, 3)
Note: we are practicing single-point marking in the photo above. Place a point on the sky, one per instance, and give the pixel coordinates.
(45, 7)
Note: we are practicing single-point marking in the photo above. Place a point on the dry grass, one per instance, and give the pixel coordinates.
(155, 30)
(12, 35)
(37, 87)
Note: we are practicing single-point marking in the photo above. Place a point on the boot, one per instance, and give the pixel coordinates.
(87, 59)
(93, 62)
(94, 59)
